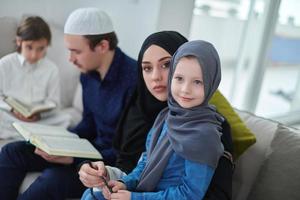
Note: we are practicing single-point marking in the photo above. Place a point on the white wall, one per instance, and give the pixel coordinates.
(176, 15)
(133, 20)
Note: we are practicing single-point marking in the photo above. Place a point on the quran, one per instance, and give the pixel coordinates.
(56, 141)
(29, 110)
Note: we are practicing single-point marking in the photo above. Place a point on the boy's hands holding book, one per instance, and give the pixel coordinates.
(32, 118)
(28, 111)
(54, 159)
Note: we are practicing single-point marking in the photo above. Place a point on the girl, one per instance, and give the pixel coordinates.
(28, 76)
(217, 189)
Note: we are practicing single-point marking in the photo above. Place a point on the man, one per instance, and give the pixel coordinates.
(108, 78)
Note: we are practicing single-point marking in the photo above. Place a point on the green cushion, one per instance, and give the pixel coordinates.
(242, 137)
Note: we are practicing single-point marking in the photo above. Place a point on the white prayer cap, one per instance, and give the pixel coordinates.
(88, 21)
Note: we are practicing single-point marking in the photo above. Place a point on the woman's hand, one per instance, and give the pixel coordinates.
(89, 174)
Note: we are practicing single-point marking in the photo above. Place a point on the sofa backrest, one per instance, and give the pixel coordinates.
(7, 35)
(69, 75)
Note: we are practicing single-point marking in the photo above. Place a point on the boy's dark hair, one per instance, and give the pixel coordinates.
(96, 39)
(33, 28)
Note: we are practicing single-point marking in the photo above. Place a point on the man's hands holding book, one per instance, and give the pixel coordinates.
(54, 159)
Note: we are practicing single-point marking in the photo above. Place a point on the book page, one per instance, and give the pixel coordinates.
(74, 147)
(41, 107)
(29, 129)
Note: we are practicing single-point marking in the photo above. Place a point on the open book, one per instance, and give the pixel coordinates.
(29, 110)
(56, 140)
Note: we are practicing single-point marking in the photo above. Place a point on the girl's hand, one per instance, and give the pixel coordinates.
(115, 185)
(121, 195)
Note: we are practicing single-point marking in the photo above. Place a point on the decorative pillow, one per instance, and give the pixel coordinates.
(242, 137)
(279, 176)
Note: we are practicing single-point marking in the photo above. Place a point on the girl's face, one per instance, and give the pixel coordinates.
(155, 67)
(187, 86)
(33, 50)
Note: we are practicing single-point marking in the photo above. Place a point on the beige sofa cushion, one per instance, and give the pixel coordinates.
(69, 75)
(28, 180)
(76, 109)
(77, 101)
(248, 165)
(7, 33)
(279, 177)
(4, 142)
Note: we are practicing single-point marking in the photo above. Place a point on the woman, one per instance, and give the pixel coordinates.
(138, 117)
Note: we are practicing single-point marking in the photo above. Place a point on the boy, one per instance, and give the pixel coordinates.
(30, 77)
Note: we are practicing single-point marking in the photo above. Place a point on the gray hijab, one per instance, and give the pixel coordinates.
(195, 133)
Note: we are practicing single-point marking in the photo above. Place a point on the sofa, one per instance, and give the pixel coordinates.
(254, 177)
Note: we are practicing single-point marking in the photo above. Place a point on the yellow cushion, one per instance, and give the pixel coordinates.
(242, 137)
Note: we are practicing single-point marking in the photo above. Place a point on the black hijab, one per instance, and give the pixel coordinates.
(142, 109)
